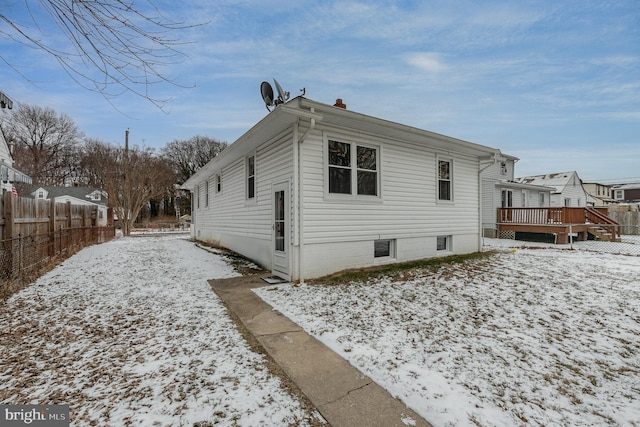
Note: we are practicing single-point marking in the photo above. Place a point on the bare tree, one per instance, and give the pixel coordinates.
(189, 155)
(114, 45)
(131, 177)
(45, 143)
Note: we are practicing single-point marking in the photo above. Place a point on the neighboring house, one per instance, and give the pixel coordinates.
(600, 193)
(9, 175)
(499, 190)
(569, 191)
(77, 196)
(313, 189)
(627, 193)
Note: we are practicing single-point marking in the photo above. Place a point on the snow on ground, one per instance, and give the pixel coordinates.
(535, 337)
(130, 333)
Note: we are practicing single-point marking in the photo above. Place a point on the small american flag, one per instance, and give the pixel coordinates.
(14, 191)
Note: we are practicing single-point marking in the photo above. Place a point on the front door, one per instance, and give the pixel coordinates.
(281, 231)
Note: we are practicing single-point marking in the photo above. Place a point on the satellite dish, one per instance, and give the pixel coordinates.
(267, 94)
(282, 95)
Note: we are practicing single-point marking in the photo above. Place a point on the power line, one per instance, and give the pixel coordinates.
(630, 180)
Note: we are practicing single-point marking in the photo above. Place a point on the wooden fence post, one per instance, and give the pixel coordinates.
(68, 213)
(9, 216)
(52, 227)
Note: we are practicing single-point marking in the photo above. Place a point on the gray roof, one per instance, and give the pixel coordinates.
(82, 193)
(556, 180)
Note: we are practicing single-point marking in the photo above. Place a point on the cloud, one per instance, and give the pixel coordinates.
(426, 61)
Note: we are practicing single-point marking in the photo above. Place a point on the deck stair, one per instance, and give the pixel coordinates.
(604, 228)
(602, 234)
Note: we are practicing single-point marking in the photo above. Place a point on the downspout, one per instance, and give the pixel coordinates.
(480, 170)
(312, 126)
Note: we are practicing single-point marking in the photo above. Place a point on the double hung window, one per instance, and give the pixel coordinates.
(206, 193)
(444, 180)
(251, 177)
(353, 169)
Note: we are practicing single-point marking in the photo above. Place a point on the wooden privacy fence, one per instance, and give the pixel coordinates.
(36, 233)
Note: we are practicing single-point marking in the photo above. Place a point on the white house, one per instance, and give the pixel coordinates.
(568, 187)
(313, 189)
(77, 196)
(500, 190)
(8, 174)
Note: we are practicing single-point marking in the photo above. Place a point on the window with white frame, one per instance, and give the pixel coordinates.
(567, 201)
(198, 197)
(444, 180)
(541, 199)
(353, 169)
(251, 177)
(206, 194)
(618, 194)
(443, 243)
(218, 183)
(384, 248)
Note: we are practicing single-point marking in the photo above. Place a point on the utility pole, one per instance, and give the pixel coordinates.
(127, 189)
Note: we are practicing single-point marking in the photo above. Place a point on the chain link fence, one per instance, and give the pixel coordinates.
(628, 242)
(24, 258)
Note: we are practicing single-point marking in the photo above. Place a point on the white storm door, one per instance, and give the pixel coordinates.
(281, 230)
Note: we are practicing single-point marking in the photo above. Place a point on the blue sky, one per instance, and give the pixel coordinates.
(556, 84)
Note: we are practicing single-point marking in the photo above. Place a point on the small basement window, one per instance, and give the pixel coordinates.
(383, 248)
(443, 243)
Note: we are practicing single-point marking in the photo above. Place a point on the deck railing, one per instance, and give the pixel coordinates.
(558, 216)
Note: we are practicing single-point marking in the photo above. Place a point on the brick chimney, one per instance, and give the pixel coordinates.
(340, 104)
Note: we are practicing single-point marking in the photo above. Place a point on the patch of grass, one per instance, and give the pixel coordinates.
(401, 271)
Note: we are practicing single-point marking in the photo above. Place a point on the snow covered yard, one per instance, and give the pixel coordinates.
(130, 333)
(540, 337)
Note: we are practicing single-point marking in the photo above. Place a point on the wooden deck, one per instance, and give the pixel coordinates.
(561, 222)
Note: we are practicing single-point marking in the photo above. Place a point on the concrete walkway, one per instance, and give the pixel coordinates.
(341, 393)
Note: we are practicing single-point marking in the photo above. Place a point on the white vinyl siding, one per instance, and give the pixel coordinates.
(407, 206)
(246, 227)
(572, 194)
